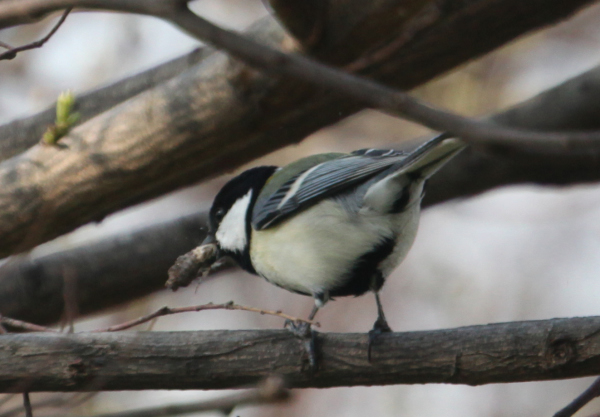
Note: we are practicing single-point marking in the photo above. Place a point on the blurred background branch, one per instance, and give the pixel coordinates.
(271, 390)
(108, 273)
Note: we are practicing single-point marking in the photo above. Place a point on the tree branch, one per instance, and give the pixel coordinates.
(165, 311)
(27, 405)
(59, 401)
(362, 90)
(578, 403)
(107, 273)
(378, 96)
(571, 105)
(18, 12)
(475, 355)
(21, 134)
(11, 53)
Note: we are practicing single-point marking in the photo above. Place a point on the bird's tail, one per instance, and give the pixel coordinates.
(428, 158)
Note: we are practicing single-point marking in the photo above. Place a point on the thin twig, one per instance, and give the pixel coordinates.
(27, 405)
(165, 311)
(23, 325)
(586, 396)
(71, 309)
(12, 52)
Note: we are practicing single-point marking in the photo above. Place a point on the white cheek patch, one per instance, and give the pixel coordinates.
(231, 234)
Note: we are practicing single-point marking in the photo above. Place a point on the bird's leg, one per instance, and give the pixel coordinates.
(381, 326)
(305, 332)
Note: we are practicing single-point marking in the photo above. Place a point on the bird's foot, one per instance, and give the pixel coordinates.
(305, 332)
(380, 326)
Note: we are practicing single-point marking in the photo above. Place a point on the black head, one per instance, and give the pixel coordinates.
(230, 215)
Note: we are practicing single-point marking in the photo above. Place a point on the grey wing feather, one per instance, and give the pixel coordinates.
(323, 180)
(330, 178)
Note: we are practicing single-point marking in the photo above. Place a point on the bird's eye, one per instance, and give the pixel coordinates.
(220, 214)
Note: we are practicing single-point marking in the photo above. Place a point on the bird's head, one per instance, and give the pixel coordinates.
(229, 223)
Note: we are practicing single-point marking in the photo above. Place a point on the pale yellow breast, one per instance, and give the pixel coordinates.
(314, 250)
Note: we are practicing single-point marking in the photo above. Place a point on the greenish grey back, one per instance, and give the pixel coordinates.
(280, 177)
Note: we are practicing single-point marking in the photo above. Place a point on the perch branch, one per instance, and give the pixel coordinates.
(474, 355)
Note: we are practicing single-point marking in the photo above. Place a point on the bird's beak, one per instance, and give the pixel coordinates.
(210, 238)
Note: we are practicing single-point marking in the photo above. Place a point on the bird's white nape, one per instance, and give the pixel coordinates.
(231, 234)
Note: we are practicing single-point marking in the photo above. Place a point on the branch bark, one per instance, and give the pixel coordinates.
(475, 355)
(174, 135)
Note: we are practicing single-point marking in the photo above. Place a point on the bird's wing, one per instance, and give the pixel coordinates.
(321, 180)
(328, 178)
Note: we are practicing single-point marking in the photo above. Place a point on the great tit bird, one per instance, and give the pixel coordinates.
(328, 225)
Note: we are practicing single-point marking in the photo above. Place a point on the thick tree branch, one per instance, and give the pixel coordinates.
(475, 355)
(21, 134)
(106, 273)
(173, 135)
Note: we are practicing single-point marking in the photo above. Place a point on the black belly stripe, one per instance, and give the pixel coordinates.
(365, 274)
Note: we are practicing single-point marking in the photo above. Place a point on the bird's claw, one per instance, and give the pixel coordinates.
(380, 326)
(304, 332)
